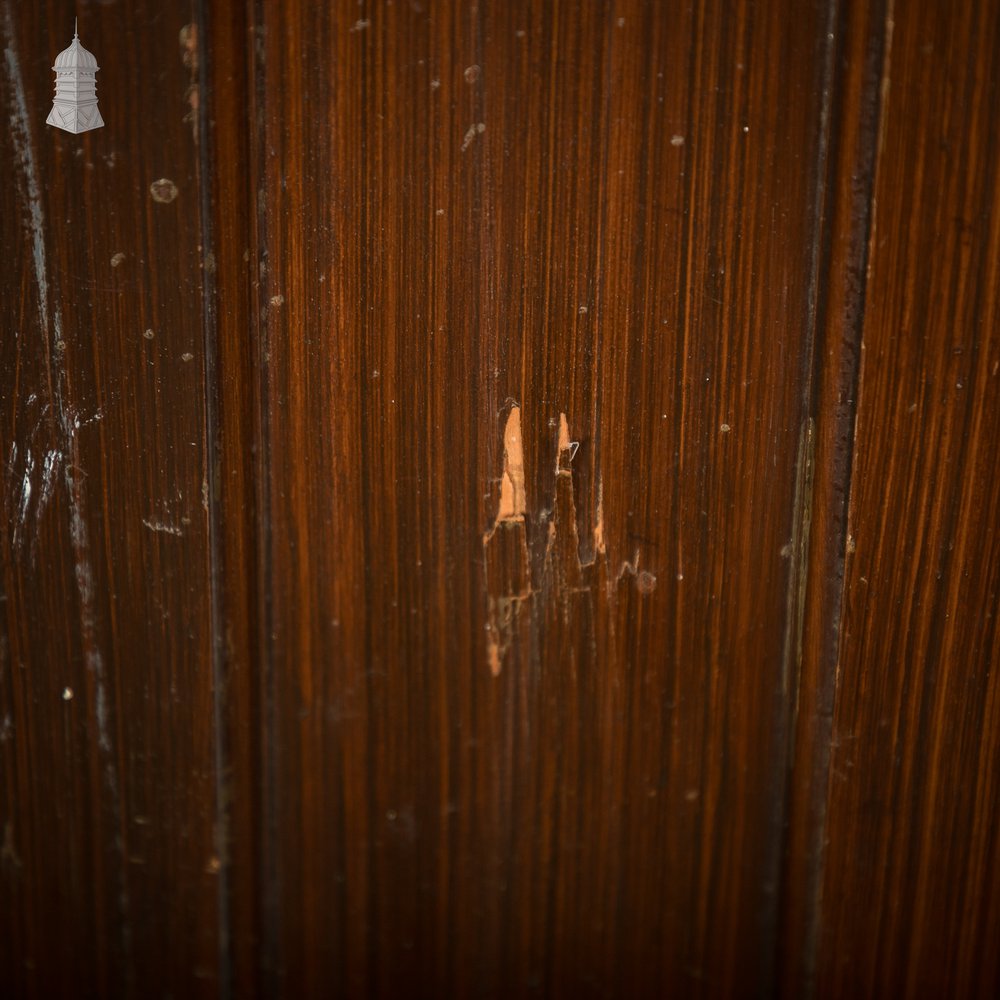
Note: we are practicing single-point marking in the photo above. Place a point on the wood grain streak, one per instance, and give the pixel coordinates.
(911, 885)
(108, 732)
(500, 499)
(578, 210)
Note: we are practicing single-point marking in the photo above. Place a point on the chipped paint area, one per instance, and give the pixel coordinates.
(514, 598)
(512, 501)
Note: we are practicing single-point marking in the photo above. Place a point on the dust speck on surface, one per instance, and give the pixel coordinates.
(209, 262)
(118, 258)
(361, 24)
(277, 300)
(67, 694)
(724, 428)
(163, 191)
(677, 140)
(472, 73)
(435, 83)
(187, 356)
(646, 582)
(148, 334)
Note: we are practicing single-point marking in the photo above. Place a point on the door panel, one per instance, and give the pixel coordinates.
(501, 499)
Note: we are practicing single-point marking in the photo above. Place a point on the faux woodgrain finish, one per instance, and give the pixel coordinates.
(522, 520)
(911, 886)
(109, 866)
(585, 210)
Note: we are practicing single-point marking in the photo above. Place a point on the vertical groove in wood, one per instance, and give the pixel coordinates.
(214, 442)
(911, 881)
(269, 864)
(857, 42)
(229, 80)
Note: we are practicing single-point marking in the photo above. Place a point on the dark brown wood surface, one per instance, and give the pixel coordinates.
(911, 880)
(546, 543)
(500, 769)
(110, 865)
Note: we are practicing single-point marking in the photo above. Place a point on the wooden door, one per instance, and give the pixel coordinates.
(500, 499)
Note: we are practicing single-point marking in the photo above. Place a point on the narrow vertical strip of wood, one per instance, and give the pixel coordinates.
(857, 48)
(228, 146)
(911, 878)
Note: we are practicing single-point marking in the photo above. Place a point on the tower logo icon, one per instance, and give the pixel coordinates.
(75, 106)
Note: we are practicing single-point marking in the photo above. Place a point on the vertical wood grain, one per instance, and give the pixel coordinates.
(911, 884)
(856, 72)
(603, 213)
(109, 862)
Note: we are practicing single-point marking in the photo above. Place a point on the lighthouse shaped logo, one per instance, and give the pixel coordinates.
(75, 106)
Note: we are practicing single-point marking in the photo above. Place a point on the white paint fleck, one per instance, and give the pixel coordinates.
(677, 140)
(471, 134)
(67, 694)
(24, 502)
(160, 526)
